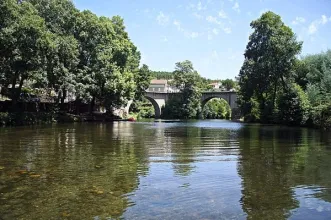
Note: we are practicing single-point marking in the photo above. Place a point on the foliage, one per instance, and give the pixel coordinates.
(270, 59)
(142, 80)
(319, 88)
(294, 106)
(216, 109)
(187, 104)
(23, 44)
(26, 118)
(228, 84)
(143, 108)
(162, 75)
(57, 47)
(321, 116)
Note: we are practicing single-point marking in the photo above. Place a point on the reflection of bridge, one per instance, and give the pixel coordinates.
(159, 99)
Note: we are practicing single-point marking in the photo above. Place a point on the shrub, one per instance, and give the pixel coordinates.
(293, 106)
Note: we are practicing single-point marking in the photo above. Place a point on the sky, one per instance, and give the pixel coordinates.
(213, 34)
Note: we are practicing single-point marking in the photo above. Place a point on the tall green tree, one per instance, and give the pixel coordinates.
(142, 80)
(62, 56)
(270, 59)
(187, 104)
(23, 43)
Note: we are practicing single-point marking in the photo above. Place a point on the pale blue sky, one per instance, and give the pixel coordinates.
(211, 33)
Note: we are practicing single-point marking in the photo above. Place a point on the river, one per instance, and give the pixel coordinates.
(164, 170)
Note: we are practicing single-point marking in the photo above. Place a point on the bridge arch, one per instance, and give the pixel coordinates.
(229, 97)
(206, 114)
(159, 99)
(157, 107)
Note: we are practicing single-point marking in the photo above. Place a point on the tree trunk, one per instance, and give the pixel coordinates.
(77, 105)
(16, 93)
(63, 97)
(92, 105)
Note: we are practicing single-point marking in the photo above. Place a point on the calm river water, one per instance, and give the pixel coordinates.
(164, 170)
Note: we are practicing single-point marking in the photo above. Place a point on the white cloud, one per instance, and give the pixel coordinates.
(198, 16)
(298, 20)
(210, 36)
(214, 20)
(198, 7)
(162, 19)
(194, 35)
(222, 14)
(227, 30)
(215, 31)
(164, 39)
(236, 7)
(324, 19)
(177, 24)
(188, 34)
(211, 33)
(214, 55)
(313, 27)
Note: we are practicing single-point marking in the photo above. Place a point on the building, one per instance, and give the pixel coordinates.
(161, 85)
(216, 85)
(158, 85)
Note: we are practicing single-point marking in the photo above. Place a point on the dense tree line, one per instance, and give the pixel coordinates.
(53, 45)
(278, 87)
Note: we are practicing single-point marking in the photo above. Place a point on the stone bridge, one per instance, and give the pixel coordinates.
(159, 99)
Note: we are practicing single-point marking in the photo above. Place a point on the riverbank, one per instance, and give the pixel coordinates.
(34, 118)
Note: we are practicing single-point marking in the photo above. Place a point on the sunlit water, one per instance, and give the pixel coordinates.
(164, 170)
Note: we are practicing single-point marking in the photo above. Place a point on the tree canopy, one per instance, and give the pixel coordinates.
(270, 59)
(57, 47)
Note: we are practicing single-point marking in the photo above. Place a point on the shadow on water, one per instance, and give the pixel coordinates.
(209, 169)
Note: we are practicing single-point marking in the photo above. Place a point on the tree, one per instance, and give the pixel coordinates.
(228, 84)
(270, 59)
(216, 109)
(293, 106)
(23, 44)
(62, 57)
(142, 80)
(187, 80)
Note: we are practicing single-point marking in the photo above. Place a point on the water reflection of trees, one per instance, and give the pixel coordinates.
(273, 162)
(68, 171)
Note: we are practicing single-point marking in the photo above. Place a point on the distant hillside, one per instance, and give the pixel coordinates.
(162, 75)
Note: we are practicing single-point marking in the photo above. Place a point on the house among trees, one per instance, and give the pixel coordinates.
(161, 85)
(216, 85)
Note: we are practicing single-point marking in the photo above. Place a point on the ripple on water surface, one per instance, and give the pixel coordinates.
(209, 169)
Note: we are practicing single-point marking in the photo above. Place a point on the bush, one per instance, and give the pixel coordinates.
(146, 112)
(293, 106)
(25, 118)
(252, 110)
(4, 118)
(320, 116)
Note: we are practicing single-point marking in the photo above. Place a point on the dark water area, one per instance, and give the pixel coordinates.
(164, 170)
